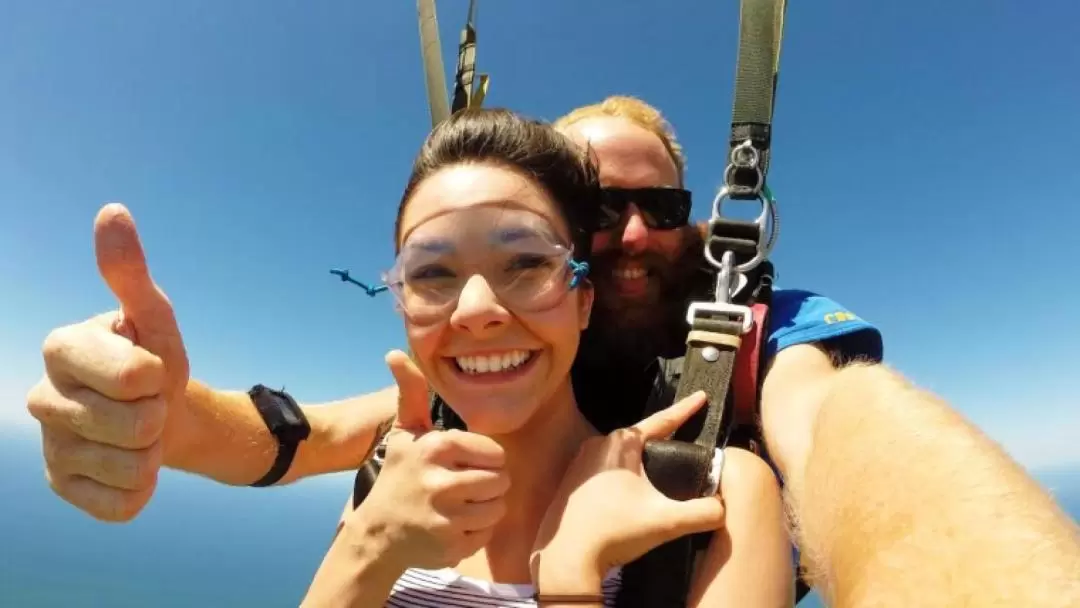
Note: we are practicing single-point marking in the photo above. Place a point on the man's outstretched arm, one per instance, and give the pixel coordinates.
(225, 439)
(899, 501)
(107, 427)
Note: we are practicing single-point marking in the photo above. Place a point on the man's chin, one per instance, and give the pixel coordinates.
(627, 332)
(629, 299)
(636, 316)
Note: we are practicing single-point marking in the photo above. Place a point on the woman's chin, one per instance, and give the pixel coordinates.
(499, 403)
(493, 416)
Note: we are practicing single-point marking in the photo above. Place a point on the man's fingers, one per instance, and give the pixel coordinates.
(665, 422)
(84, 412)
(143, 305)
(99, 500)
(82, 355)
(414, 411)
(67, 455)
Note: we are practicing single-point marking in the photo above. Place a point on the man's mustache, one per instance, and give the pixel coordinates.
(652, 262)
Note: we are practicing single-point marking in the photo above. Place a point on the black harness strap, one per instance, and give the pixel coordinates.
(679, 467)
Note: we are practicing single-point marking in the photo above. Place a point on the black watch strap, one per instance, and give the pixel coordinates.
(286, 422)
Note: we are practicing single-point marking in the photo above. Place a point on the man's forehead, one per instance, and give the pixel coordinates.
(628, 155)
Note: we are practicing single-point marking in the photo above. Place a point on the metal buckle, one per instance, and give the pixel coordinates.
(766, 238)
(742, 313)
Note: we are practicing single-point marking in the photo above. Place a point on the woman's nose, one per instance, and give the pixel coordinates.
(478, 309)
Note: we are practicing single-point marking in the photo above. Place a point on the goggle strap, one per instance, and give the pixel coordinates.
(371, 291)
(579, 270)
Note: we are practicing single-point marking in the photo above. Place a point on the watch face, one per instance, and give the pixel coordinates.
(283, 416)
(293, 424)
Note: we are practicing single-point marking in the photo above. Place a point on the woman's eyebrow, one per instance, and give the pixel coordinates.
(431, 245)
(504, 236)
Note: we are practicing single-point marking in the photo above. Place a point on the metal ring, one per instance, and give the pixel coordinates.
(754, 158)
(729, 174)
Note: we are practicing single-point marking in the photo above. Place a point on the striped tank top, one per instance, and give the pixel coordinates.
(447, 589)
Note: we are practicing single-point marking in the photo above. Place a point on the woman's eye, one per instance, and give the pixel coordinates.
(431, 271)
(529, 262)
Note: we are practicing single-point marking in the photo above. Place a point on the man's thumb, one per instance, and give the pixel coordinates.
(143, 305)
(413, 402)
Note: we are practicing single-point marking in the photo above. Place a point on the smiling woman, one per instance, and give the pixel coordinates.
(491, 280)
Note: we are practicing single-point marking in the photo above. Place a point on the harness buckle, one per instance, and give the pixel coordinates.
(766, 233)
(739, 313)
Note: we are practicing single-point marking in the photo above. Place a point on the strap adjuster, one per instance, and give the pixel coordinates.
(741, 314)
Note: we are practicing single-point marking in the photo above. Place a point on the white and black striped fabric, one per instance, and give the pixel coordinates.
(447, 589)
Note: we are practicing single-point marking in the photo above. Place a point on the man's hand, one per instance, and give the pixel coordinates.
(113, 387)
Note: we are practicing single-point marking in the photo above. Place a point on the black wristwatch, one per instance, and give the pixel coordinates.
(286, 422)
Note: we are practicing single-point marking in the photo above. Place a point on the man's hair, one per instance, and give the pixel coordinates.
(639, 113)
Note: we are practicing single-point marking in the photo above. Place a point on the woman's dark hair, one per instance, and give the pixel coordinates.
(501, 137)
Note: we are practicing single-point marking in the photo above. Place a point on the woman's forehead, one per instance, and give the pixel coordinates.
(456, 193)
(482, 226)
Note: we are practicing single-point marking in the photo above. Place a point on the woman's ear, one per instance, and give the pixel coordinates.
(585, 302)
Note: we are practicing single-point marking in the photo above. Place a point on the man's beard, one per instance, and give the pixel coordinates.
(637, 330)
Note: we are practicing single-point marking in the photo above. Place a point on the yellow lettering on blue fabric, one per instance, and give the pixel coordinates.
(839, 317)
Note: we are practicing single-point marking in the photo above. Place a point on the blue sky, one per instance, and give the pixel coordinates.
(924, 163)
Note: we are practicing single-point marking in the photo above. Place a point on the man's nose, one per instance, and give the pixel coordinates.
(635, 234)
(478, 309)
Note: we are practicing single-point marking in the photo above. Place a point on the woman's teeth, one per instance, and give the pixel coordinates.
(493, 363)
(630, 273)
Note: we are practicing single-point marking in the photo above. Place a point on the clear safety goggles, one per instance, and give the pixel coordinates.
(516, 253)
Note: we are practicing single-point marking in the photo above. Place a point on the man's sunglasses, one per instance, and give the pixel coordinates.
(661, 208)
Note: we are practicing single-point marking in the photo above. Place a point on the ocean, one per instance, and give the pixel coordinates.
(197, 544)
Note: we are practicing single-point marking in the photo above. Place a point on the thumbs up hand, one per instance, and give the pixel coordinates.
(439, 494)
(113, 385)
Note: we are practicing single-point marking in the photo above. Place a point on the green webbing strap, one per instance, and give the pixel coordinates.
(761, 29)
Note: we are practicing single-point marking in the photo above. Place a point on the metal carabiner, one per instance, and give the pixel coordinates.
(765, 245)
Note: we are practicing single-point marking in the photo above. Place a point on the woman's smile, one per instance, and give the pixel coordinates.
(491, 368)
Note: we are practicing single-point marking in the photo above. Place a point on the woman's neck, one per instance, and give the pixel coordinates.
(538, 454)
(537, 457)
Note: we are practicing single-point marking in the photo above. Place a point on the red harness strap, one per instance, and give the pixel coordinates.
(747, 364)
